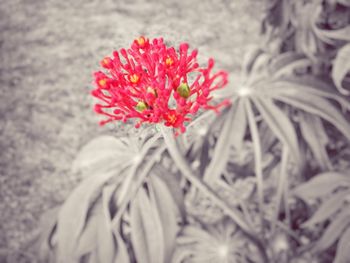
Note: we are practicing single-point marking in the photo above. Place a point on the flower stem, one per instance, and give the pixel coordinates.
(186, 171)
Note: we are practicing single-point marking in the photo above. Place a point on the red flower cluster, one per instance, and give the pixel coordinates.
(155, 84)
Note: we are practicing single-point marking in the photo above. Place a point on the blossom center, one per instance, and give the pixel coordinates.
(169, 61)
(171, 118)
(244, 91)
(106, 62)
(102, 82)
(223, 251)
(141, 41)
(134, 78)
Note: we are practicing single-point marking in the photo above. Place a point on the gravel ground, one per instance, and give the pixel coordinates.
(48, 51)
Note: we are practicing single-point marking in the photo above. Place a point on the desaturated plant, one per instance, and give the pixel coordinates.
(255, 171)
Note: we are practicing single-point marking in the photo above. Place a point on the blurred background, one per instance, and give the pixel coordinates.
(48, 51)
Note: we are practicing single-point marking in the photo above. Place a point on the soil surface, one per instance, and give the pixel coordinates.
(49, 50)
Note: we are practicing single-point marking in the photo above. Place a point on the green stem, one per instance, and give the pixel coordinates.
(186, 171)
(138, 183)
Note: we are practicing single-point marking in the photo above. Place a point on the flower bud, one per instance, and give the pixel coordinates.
(183, 90)
(152, 91)
(141, 106)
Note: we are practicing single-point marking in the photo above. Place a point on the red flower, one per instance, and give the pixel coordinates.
(151, 82)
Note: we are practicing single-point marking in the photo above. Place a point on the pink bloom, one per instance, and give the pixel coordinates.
(150, 82)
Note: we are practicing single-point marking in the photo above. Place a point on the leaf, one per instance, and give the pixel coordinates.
(86, 243)
(104, 152)
(181, 254)
(321, 185)
(173, 185)
(198, 128)
(343, 248)
(268, 138)
(239, 124)
(284, 60)
(168, 213)
(47, 225)
(328, 208)
(122, 252)
(191, 234)
(315, 136)
(72, 217)
(221, 151)
(344, 2)
(317, 106)
(341, 67)
(318, 87)
(333, 231)
(146, 231)
(257, 151)
(338, 34)
(106, 247)
(249, 59)
(282, 185)
(287, 63)
(279, 123)
(259, 68)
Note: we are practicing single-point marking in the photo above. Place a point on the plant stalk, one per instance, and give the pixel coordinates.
(186, 171)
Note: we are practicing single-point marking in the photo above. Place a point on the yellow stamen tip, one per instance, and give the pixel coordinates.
(169, 61)
(134, 78)
(172, 118)
(141, 41)
(102, 82)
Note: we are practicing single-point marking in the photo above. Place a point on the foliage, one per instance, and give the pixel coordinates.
(264, 181)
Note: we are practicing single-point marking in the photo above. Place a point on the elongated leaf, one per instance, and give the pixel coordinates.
(259, 68)
(291, 68)
(135, 185)
(339, 34)
(122, 252)
(344, 2)
(318, 87)
(146, 231)
(321, 185)
(239, 125)
(315, 136)
(173, 185)
(168, 212)
(73, 214)
(86, 242)
(250, 58)
(105, 152)
(268, 138)
(328, 208)
(282, 184)
(283, 61)
(47, 225)
(257, 151)
(181, 254)
(320, 107)
(343, 248)
(198, 128)
(341, 67)
(192, 234)
(334, 231)
(106, 246)
(280, 124)
(221, 151)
